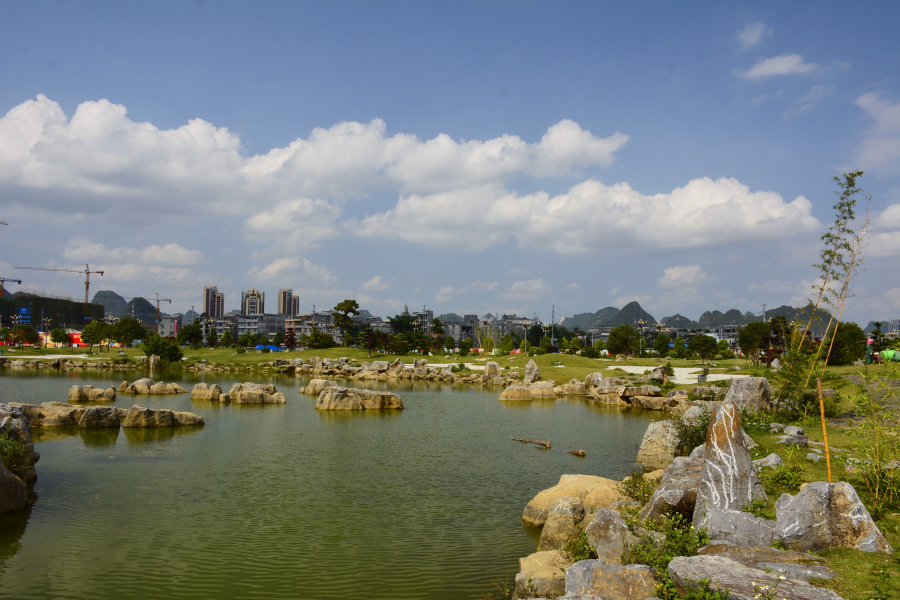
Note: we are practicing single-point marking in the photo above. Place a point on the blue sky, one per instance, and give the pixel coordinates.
(470, 157)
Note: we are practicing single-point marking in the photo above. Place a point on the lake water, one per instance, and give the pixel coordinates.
(283, 501)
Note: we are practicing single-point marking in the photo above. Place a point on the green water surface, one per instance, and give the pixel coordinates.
(283, 501)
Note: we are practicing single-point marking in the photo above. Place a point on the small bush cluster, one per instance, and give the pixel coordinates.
(638, 488)
(14, 455)
(578, 548)
(691, 436)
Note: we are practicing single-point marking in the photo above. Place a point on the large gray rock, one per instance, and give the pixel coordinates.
(563, 523)
(619, 582)
(141, 386)
(606, 391)
(741, 581)
(51, 414)
(99, 416)
(573, 388)
(255, 393)
(827, 515)
(790, 563)
(728, 480)
(677, 491)
(659, 445)
(594, 492)
(658, 374)
(315, 386)
(202, 391)
(542, 574)
(141, 416)
(737, 527)
(77, 395)
(772, 461)
(532, 373)
(341, 398)
(542, 389)
(13, 491)
(751, 393)
(491, 370)
(396, 368)
(591, 380)
(15, 424)
(609, 535)
(380, 366)
(515, 392)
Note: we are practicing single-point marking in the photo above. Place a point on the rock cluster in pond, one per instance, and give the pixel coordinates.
(593, 492)
(516, 393)
(89, 393)
(148, 386)
(60, 414)
(240, 393)
(342, 398)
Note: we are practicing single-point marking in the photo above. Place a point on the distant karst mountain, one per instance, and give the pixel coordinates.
(113, 304)
(711, 319)
(116, 306)
(630, 314)
(364, 314)
(608, 317)
(680, 322)
(450, 318)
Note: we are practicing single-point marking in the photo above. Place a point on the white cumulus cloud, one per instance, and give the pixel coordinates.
(880, 148)
(447, 292)
(172, 254)
(376, 284)
(592, 216)
(674, 277)
(292, 268)
(529, 289)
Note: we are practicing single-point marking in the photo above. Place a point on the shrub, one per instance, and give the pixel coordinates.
(691, 436)
(241, 350)
(682, 539)
(704, 592)
(14, 455)
(760, 508)
(265, 350)
(638, 488)
(578, 548)
(590, 353)
(540, 351)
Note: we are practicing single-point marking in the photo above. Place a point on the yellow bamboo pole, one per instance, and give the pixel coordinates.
(824, 429)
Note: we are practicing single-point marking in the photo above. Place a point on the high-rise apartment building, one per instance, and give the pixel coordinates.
(288, 304)
(213, 301)
(253, 302)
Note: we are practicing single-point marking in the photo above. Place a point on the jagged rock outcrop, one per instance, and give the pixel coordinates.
(148, 386)
(315, 386)
(790, 563)
(827, 515)
(622, 582)
(341, 398)
(591, 380)
(609, 536)
(15, 424)
(141, 416)
(606, 391)
(738, 527)
(491, 370)
(51, 414)
(99, 416)
(543, 389)
(724, 573)
(563, 523)
(89, 393)
(396, 368)
(658, 374)
(202, 391)
(751, 393)
(573, 388)
(659, 445)
(677, 491)
(542, 574)
(728, 480)
(532, 373)
(515, 393)
(594, 492)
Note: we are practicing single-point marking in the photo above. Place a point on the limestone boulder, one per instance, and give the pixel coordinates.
(379, 366)
(255, 393)
(729, 479)
(563, 523)
(658, 374)
(315, 386)
(188, 418)
(99, 394)
(609, 536)
(677, 491)
(737, 527)
(594, 492)
(491, 370)
(622, 582)
(751, 393)
(827, 515)
(591, 380)
(15, 423)
(99, 416)
(606, 391)
(341, 398)
(772, 461)
(160, 387)
(77, 395)
(649, 402)
(532, 373)
(13, 491)
(51, 414)
(640, 390)
(396, 368)
(573, 388)
(140, 416)
(515, 393)
(790, 563)
(174, 388)
(659, 445)
(141, 386)
(202, 391)
(724, 573)
(542, 574)
(543, 389)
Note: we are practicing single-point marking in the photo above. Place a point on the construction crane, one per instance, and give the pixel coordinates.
(4, 280)
(87, 278)
(158, 300)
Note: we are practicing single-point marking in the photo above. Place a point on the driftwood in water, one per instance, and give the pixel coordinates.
(576, 452)
(527, 441)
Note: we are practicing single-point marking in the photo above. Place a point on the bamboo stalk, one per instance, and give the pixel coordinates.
(824, 429)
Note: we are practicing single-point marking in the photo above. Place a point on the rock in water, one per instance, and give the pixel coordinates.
(594, 492)
(491, 370)
(14, 421)
(203, 392)
(515, 392)
(76, 395)
(728, 480)
(659, 445)
(752, 393)
(724, 573)
(563, 523)
(315, 386)
(396, 368)
(609, 536)
(99, 416)
(140, 416)
(826, 515)
(542, 574)
(340, 398)
(531, 372)
(591, 381)
(619, 582)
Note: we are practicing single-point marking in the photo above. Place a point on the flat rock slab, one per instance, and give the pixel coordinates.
(594, 492)
(737, 527)
(340, 398)
(741, 581)
(790, 563)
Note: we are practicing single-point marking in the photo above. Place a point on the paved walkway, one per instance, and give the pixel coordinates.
(683, 375)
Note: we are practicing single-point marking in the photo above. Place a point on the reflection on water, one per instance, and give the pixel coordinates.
(284, 501)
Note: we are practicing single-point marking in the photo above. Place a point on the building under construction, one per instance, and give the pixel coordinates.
(33, 309)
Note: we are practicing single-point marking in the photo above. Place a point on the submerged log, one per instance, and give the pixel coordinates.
(576, 452)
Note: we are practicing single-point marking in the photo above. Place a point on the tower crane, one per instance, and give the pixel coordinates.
(87, 278)
(4, 280)
(158, 300)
